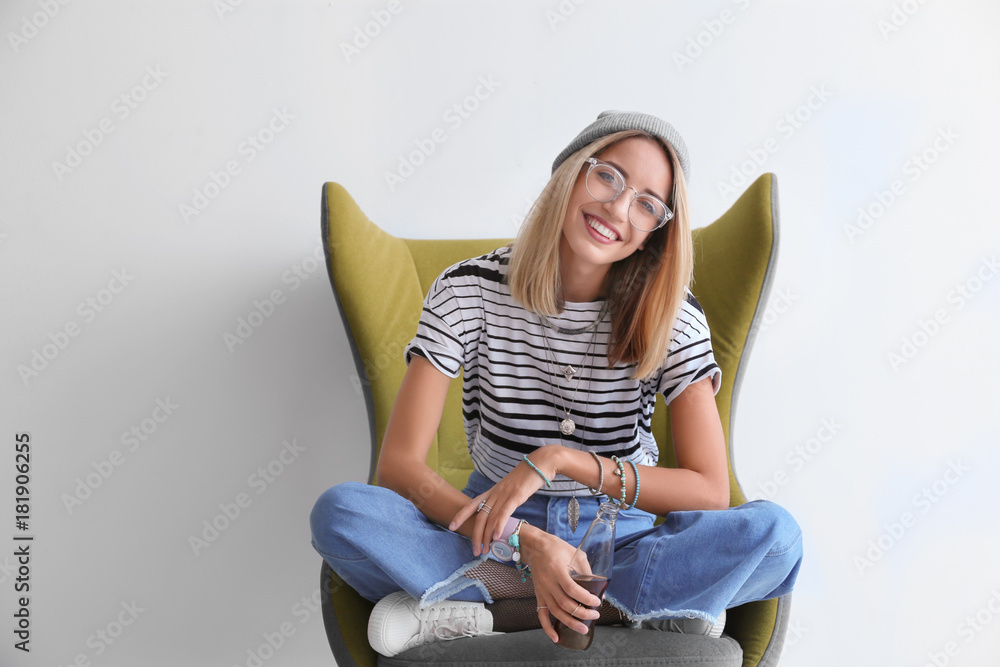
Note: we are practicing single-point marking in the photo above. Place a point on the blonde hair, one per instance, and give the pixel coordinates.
(646, 288)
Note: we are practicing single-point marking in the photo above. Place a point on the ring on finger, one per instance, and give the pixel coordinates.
(484, 506)
(541, 607)
(573, 613)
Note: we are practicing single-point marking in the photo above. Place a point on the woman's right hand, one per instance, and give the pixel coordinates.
(556, 592)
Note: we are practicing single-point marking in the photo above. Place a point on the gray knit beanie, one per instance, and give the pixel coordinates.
(609, 122)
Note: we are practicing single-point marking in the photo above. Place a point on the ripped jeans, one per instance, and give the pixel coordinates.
(693, 565)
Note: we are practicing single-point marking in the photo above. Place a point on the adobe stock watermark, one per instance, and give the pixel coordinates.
(264, 308)
(922, 502)
(797, 457)
(957, 298)
(705, 38)
(563, 11)
(304, 610)
(795, 632)
(259, 481)
(32, 24)
(224, 8)
(246, 152)
(454, 117)
(363, 35)
(786, 127)
(900, 15)
(971, 627)
(121, 108)
(779, 304)
(517, 219)
(88, 309)
(913, 169)
(105, 636)
(7, 569)
(135, 437)
(373, 367)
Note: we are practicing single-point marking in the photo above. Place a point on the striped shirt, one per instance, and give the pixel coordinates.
(514, 393)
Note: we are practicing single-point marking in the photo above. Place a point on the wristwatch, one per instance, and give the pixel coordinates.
(502, 551)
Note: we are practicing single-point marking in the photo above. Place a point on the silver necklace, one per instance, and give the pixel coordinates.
(567, 426)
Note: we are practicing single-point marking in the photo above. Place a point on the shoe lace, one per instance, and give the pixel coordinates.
(451, 622)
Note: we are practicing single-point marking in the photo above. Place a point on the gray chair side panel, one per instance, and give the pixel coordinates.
(333, 633)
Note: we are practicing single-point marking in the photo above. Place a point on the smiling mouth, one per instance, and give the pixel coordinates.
(601, 229)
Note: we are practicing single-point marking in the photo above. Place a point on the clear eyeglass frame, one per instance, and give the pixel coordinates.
(620, 187)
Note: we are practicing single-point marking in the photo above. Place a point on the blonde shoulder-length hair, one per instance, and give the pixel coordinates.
(646, 289)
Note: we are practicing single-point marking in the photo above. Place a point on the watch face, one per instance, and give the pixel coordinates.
(502, 550)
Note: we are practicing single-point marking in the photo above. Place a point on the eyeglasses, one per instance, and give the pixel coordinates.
(605, 183)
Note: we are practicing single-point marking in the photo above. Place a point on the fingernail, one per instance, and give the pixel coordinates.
(452, 526)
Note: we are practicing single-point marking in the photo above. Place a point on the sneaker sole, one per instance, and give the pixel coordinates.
(377, 636)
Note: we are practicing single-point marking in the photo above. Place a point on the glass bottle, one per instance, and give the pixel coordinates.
(591, 568)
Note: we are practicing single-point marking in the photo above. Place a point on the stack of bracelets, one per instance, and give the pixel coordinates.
(600, 485)
(514, 541)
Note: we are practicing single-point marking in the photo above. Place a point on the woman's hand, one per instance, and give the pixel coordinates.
(556, 592)
(506, 496)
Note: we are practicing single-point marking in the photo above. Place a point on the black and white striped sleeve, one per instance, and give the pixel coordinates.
(440, 336)
(690, 357)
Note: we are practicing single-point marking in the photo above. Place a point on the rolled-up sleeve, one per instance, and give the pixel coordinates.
(690, 357)
(440, 336)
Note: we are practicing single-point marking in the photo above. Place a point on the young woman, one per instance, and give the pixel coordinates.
(565, 338)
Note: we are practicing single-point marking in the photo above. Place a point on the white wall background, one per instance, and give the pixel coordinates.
(895, 75)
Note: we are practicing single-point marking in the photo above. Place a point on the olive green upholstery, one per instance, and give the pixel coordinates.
(379, 283)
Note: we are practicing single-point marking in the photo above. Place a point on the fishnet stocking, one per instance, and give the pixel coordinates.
(514, 607)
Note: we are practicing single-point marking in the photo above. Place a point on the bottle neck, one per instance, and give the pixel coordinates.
(608, 511)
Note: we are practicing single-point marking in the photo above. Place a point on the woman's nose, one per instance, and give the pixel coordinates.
(620, 205)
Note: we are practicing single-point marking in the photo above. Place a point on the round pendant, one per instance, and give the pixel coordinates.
(566, 426)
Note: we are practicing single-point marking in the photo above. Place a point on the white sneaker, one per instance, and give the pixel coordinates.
(398, 623)
(689, 626)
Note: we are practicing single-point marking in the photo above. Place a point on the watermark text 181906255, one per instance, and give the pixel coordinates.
(22, 542)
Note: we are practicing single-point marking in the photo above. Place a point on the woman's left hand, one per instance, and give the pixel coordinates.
(506, 496)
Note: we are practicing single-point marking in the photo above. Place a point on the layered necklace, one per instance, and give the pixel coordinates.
(567, 426)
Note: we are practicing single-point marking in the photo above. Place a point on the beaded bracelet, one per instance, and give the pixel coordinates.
(635, 498)
(515, 543)
(621, 473)
(535, 468)
(600, 484)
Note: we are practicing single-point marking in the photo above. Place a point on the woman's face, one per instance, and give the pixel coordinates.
(645, 166)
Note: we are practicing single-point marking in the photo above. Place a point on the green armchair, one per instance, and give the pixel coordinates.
(379, 283)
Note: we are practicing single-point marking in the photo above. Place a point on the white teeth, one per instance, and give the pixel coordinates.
(602, 230)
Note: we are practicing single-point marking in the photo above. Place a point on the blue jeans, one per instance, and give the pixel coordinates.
(694, 564)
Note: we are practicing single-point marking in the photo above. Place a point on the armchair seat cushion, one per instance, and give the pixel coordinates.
(612, 645)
